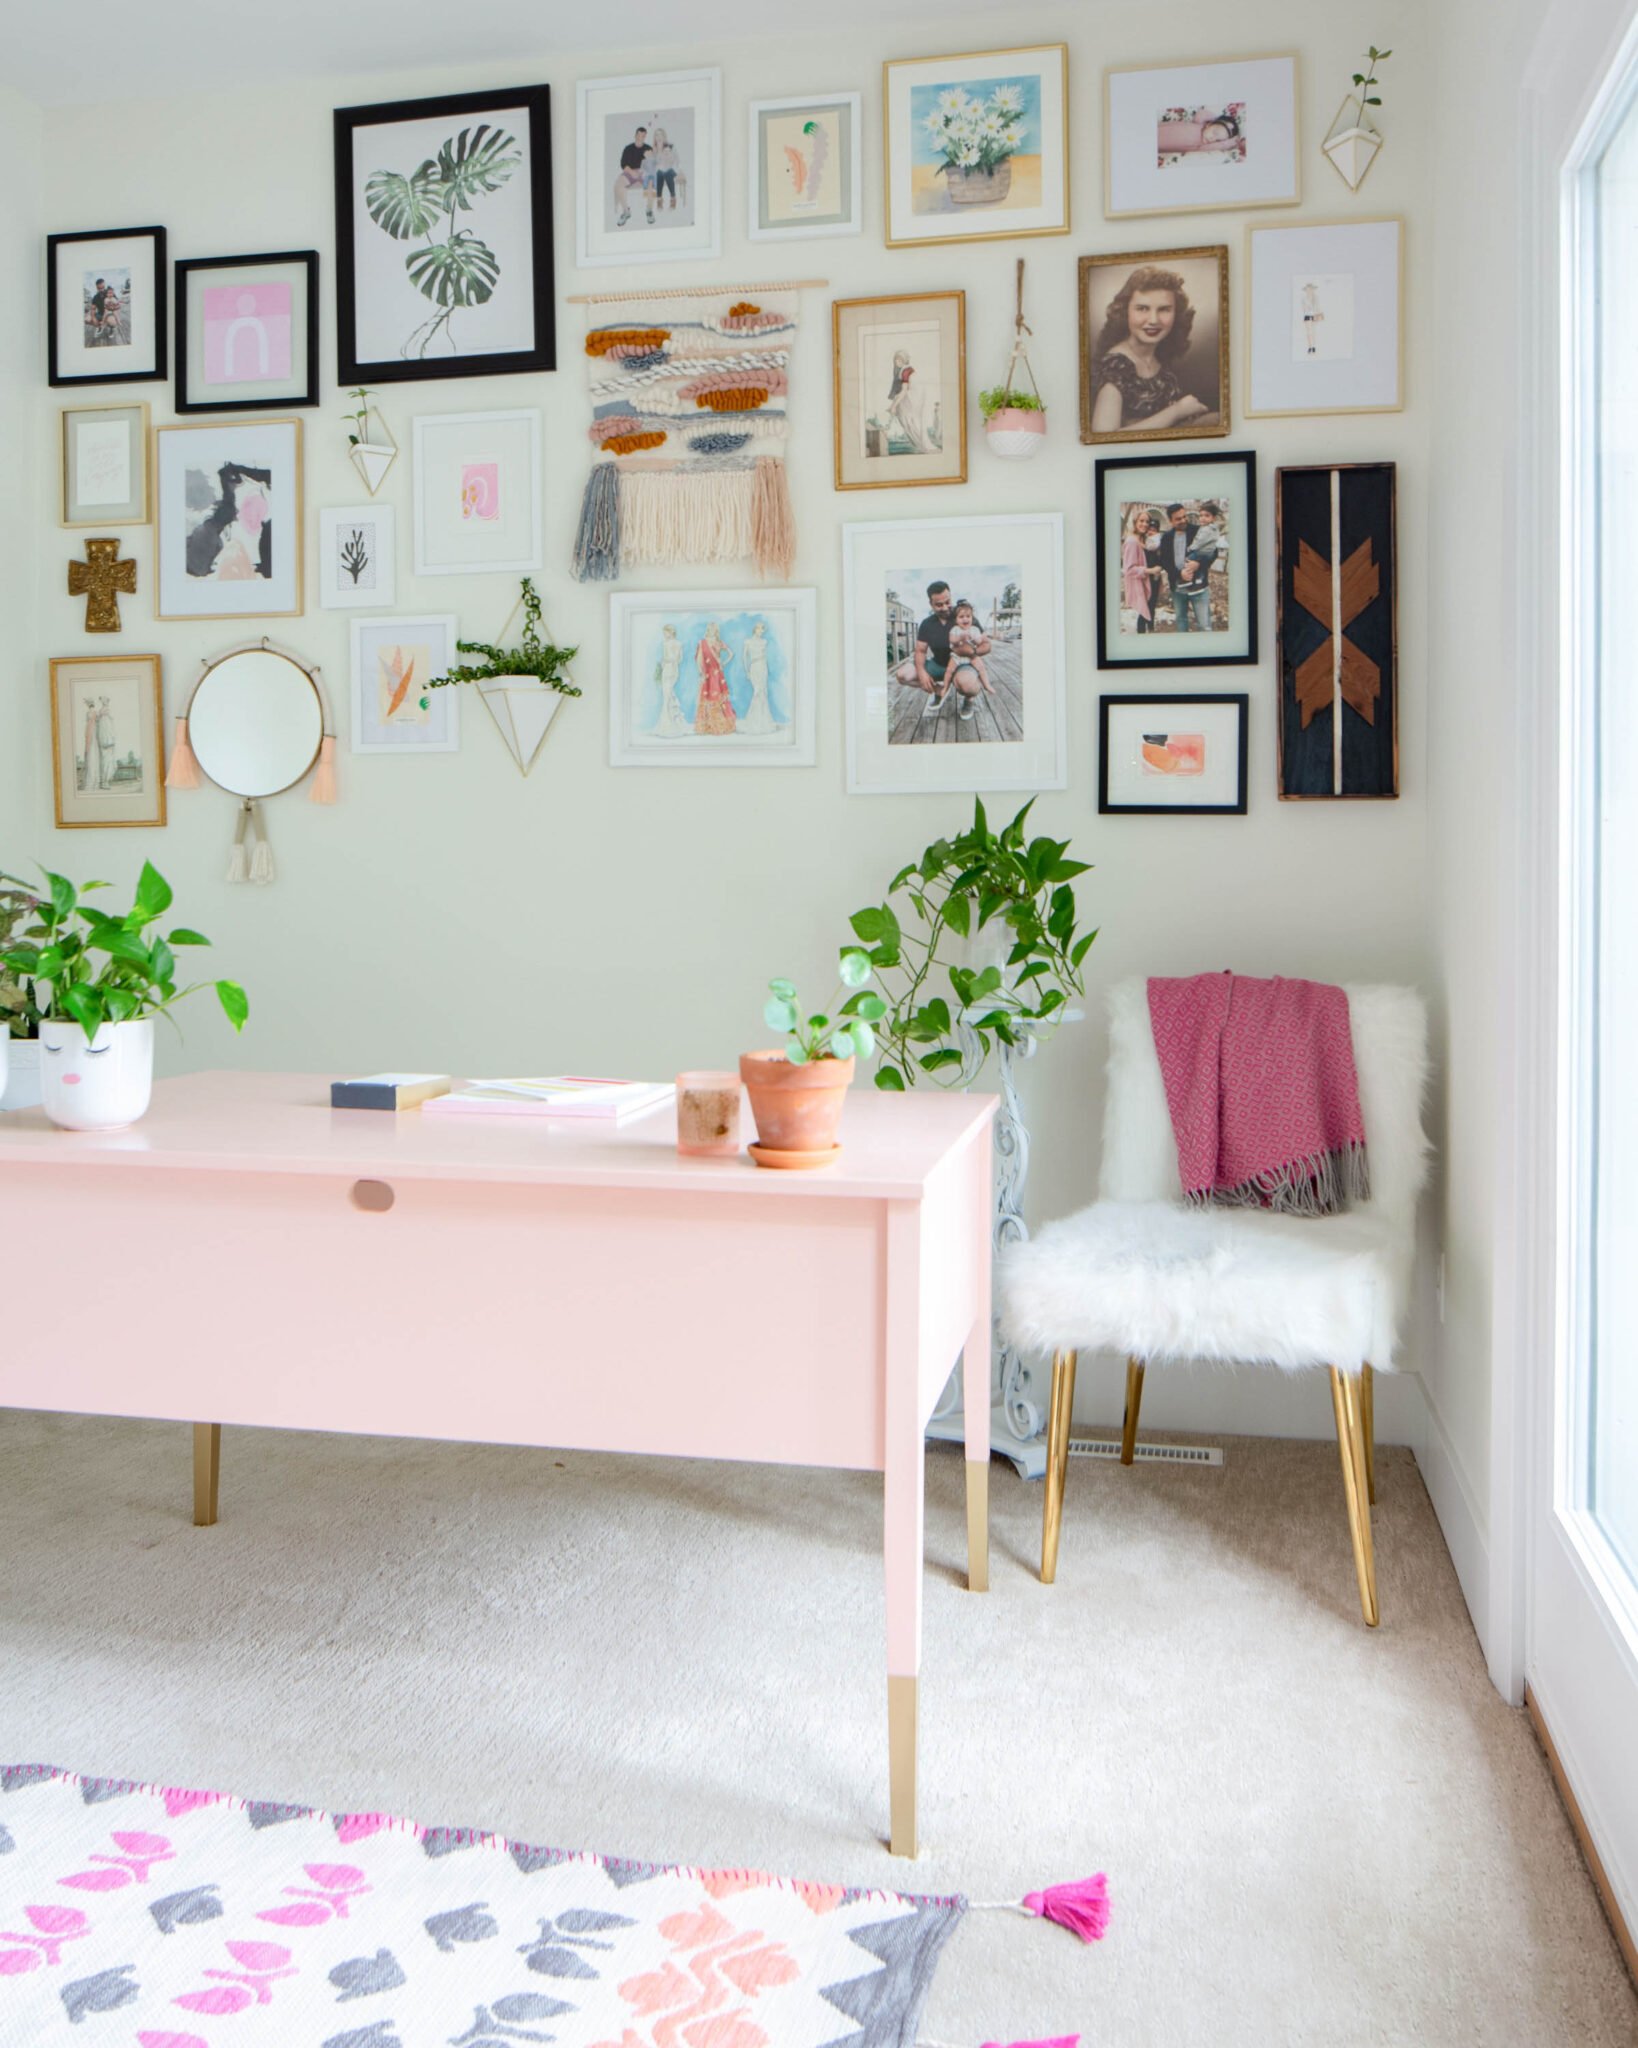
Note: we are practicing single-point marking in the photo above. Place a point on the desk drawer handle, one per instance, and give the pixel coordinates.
(373, 1195)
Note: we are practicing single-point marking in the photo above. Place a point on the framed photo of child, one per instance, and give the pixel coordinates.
(1177, 560)
(1184, 138)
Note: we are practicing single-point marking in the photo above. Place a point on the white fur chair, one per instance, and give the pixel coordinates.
(1141, 1273)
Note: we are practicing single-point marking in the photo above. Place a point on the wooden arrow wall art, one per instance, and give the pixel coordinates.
(1339, 682)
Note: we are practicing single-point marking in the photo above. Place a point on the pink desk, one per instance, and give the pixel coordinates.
(509, 1280)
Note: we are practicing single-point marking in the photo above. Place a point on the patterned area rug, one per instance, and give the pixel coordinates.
(157, 1918)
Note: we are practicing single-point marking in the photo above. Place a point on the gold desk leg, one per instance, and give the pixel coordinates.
(902, 1709)
(1367, 1404)
(978, 1526)
(1052, 1512)
(207, 1470)
(1134, 1401)
(1345, 1399)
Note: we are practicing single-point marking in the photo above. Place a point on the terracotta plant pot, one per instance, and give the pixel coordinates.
(797, 1109)
(1016, 432)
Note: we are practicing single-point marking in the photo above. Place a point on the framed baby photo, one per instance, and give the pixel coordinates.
(1176, 547)
(358, 569)
(444, 237)
(1155, 345)
(105, 466)
(712, 679)
(105, 306)
(976, 147)
(900, 369)
(1184, 138)
(804, 169)
(108, 767)
(246, 332)
(650, 186)
(229, 519)
(1324, 321)
(1164, 753)
(395, 709)
(477, 493)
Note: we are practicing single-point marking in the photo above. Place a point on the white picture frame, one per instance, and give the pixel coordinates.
(657, 699)
(373, 641)
(358, 557)
(477, 493)
(1011, 566)
(1249, 155)
(830, 199)
(106, 479)
(255, 568)
(1325, 317)
(687, 106)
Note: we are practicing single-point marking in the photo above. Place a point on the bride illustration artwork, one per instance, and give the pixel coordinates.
(670, 724)
(714, 710)
(759, 721)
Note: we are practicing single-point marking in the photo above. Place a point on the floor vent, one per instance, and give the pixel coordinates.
(1146, 1454)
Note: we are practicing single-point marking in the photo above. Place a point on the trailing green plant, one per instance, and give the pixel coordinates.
(460, 270)
(821, 1036)
(103, 969)
(532, 657)
(19, 1006)
(957, 888)
(1002, 398)
(1365, 81)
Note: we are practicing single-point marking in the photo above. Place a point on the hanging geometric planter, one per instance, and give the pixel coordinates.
(523, 708)
(371, 449)
(1352, 142)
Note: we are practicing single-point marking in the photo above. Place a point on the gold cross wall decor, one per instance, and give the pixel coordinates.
(99, 579)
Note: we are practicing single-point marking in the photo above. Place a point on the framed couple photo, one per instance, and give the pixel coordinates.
(1177, 560)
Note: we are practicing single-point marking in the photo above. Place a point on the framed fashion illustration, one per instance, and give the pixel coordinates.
(900, 375)
(712, 679)
(108, 764)
(1324, 320)
(229, 519)
(1155, 345)
(1185, 138)
(1176, 548)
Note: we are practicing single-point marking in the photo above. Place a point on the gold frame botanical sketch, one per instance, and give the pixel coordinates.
(857, 466)
(1213, 422)
(67, 792)
(138, 428)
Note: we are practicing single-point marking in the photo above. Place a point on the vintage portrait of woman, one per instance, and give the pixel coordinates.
(1154, 345)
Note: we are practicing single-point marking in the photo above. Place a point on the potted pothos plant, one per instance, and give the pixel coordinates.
(521, 686)
(797, 1088)
(19, 1003)
(108, 978)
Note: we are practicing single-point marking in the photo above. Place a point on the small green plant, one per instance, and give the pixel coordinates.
(19, 1005)
(103, 969)
(821, 1037)
(358, 422)
(532, 657)
(1002, 398)
(1365, 81)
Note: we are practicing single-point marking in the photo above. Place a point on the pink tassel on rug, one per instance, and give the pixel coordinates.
(1083, 1908)
(323, 790)
(183, 772)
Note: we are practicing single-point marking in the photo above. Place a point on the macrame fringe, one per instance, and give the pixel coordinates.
(261, 864)
(183, 772)
(1319, 1184)
(597, 543)
(244, 865)
(323, 790)
(773, 525)
(677, 516)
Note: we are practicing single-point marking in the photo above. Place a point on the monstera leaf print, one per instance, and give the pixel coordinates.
(461, 269)
(459, 272)
(405, 207)
(479, 160)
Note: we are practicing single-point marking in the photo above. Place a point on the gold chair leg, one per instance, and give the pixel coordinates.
(1052, 1512)
(207, 1470)
(1367, 1405)
(903, 1703)
(1134, 1401)
(1346, 1399)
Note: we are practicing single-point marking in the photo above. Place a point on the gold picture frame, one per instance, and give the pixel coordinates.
(82, 463)
(114, 704)
(906, 402)
(1171, 81)
(1102, 282)
(1255, 317)
(250, 444)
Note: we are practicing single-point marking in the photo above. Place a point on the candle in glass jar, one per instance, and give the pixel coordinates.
(708, 1114)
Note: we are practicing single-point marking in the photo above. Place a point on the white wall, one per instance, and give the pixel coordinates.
(448, 914)
(21, 373)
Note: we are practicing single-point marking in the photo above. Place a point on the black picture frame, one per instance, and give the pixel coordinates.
(187, 267)
(350, 123)
(160, 369)
(1242, 703)
(1246, 459)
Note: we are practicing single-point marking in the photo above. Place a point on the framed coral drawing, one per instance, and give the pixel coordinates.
(804, 170)
(977, 146)
(395, 709)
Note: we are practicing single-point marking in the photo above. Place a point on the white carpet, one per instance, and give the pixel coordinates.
(1312, 1833)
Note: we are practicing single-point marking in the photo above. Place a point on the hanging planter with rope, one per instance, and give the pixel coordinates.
(1015, 419)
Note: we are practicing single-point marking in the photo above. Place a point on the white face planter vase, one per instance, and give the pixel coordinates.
(100, 1086)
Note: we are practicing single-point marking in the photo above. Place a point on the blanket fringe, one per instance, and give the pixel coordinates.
(597, 541)
(1320, 1184)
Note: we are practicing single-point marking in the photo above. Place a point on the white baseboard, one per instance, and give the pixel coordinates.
(1463, 1526)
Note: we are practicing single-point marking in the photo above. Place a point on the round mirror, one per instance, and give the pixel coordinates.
(255, 722)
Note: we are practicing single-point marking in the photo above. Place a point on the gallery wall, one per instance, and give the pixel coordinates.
(448, 914)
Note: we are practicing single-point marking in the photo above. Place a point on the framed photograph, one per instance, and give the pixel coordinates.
(1183, 138)
(105, 466)
(229, 520)
(955, 654)
(805, 167)
(394, 712)
(650, 167)
(246, 332)
(105, 306)
(107, 739)
(1324, 322)
(444, 237)
(358, 568)
(712, 679)
(976, 146)
(1155, 345)
(477, 493)
(1336, 604)
(1172, 754)
(901, 390)
(1176, 544)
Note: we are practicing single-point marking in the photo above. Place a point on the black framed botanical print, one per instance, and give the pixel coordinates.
(444, 237)
(247, 332)
(105, 306)
(1177, 560)
(1172, 753)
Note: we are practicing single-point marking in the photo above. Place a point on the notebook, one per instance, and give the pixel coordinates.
(588, 1097)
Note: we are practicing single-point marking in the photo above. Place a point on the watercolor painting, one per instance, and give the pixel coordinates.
(976, 145)
(955, 654)
(229, 514)
(107, 728)
(107, 296)
(710, 675)
(901, 409)
(1322, 317)
(402, 673)
(480, 490)
(247, 331)
(804, 160)
(1209, 134)
(1174, 753)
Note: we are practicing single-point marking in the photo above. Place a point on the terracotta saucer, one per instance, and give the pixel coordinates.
(796, 1162)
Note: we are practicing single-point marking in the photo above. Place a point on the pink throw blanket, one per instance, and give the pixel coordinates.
(1261, 1085)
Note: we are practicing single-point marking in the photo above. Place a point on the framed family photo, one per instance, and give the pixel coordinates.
(105, 306)
(650, 185)
(395, 711)
(477, 493)
(954, 654)
(1166, 753)
(1324, 317)
(229, 520)
(804, 169)
(105, 466)
(900, 368)
(358, 568)
(444, 237)
(712, 679)
(976, 146)
(1184, 138)
(246, 332)
(1155, 345)
(1176, 546)
(106, 740)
